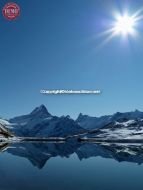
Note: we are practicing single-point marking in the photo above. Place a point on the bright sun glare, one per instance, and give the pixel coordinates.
(124, 25)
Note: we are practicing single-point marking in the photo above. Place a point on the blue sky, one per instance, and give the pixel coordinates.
(53, 45)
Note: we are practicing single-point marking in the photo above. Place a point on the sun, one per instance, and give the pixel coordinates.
(124, 25)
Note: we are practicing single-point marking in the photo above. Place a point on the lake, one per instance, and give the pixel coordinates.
(71, 166)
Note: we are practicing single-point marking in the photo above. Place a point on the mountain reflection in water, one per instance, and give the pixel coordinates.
(39, 153)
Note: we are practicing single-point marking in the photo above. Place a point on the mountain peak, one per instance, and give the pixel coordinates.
(137, 111)
(40, 110)
(81, 117)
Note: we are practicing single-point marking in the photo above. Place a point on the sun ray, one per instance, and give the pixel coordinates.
(137, 13)
(123, 25)
(107, 40)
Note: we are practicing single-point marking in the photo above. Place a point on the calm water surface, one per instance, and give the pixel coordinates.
(71, 166)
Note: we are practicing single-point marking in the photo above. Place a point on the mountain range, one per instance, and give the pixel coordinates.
(40, 123)
(88, 122)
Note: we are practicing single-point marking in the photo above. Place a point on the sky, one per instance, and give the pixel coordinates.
(57, 45)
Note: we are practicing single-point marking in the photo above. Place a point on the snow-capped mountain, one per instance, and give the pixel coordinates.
(4, 132)
(120, 129)
(37, 115)
(4, 122)
(40, 123)
(88, 122)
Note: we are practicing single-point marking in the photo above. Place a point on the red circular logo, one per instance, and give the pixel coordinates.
(11, 11)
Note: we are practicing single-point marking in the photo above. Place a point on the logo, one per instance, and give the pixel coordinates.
(11, 11)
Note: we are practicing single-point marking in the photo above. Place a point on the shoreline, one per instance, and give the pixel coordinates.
(66, 139)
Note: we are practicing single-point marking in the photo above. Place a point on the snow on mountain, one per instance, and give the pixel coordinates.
(131, 129)
(39, 113)
(58, 127)
(4, 132)
(126, 123)
(88, 122)
(41, 123)
(4, 122)
(22, 125)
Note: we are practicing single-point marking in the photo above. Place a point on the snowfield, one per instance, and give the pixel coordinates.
(122, 130)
